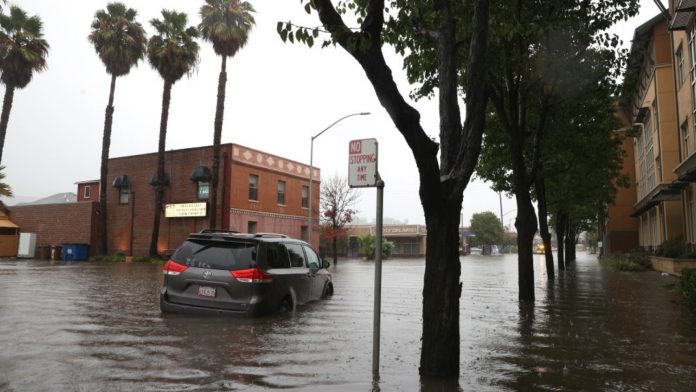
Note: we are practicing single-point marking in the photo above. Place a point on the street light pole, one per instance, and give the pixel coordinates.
(311, 166)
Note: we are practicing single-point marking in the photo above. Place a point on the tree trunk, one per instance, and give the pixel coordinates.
(441, 185)
(217, 136)
(5, 117)
(560, 239)
(544, 225)
(334, 248)
(569, 244)
(159, 189)
(104, 176)
(526, 221)
(441, 293)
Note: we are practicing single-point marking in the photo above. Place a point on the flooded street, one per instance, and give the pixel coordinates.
(97, 326)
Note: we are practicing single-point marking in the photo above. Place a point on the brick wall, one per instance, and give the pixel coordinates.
(55, 224)
(90, 195)
(179, 165)
(233, 195)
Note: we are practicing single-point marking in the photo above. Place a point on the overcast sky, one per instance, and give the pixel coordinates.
(278, 96)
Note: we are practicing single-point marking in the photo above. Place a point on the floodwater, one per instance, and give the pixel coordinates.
(97, 327)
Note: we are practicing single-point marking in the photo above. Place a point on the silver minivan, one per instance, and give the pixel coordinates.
(227, 273)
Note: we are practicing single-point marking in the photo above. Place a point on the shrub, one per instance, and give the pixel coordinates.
(687, 286)
(672, 248)
(634, 261)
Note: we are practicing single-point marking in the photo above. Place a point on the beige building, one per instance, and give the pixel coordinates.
(408, 240)
(683, 30)
(652, 109)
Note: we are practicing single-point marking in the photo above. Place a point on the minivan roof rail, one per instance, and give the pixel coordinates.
(269, 235)
(204, 231)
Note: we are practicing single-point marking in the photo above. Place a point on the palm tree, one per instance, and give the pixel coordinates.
(173, 52)
(23, 52)
(120, 43)
(226, 24)
(4, 188)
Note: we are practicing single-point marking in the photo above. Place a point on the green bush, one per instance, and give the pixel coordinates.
(367, 246)
(672, 248)
(634, 261)
(687, 286)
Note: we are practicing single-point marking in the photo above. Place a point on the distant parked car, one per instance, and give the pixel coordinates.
(539, 249)
(227, 273)
(475, 251)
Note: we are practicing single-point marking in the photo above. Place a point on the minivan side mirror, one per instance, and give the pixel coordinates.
(325, 264)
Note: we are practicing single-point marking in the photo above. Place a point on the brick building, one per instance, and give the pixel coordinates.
(88, 190)
(258, 192)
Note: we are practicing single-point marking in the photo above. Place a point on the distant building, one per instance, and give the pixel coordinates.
(88, 190)
(408, 240)
(257, 192)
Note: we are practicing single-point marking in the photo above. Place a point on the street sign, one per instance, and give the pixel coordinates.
(362, 163)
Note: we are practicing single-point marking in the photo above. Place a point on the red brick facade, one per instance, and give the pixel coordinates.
(234, 207)
(55, 224)
(88, 191)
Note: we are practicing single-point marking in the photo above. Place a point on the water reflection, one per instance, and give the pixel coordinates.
(98, 327)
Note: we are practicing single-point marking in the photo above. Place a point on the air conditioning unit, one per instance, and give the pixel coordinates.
(27, 245)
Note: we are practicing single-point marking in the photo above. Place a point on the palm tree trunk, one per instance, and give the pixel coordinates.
(106, 143)
(159, 190)
(217, 136)
(5, 117)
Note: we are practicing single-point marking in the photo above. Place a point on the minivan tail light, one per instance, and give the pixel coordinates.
(173, 268)
(252, 275)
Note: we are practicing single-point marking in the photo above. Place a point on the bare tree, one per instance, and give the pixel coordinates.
(337, 201)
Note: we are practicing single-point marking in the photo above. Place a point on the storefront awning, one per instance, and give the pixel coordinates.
(8, 223)
(201, 173)
(663, 192)
(154, 180)
(121, 182)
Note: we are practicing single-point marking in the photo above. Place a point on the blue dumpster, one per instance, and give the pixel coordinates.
(78, 252)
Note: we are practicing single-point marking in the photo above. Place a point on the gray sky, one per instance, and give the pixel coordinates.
(278, 96)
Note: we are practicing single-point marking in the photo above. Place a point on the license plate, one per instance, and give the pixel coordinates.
(205, 291)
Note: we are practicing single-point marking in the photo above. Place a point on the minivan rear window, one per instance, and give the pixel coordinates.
(216, 254)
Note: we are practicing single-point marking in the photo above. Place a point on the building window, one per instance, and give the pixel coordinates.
(203, 189)
(253, 187)
(123, 195)
(88, 191)
(657, 115)
(680, 66)
(304, 234)
(281, 192)
(690, 214)
(305, 196)
(685, 138)
(692, 53)
(251, 227)
(658, 168)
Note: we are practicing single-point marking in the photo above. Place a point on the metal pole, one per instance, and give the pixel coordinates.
(311, 178)
(378, 278)
(311, 166)
(132, 223)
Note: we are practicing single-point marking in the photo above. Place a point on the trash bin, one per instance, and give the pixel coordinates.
(56, 252)
(43, 252)
(77, 252)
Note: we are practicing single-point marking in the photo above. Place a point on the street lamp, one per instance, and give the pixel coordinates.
(311, 165)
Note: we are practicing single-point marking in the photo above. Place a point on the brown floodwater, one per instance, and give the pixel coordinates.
(97, 327)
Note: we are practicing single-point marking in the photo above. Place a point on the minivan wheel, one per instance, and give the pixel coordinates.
(285, 306)
(328, 291)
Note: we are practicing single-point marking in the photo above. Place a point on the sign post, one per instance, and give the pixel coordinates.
(363, 173)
